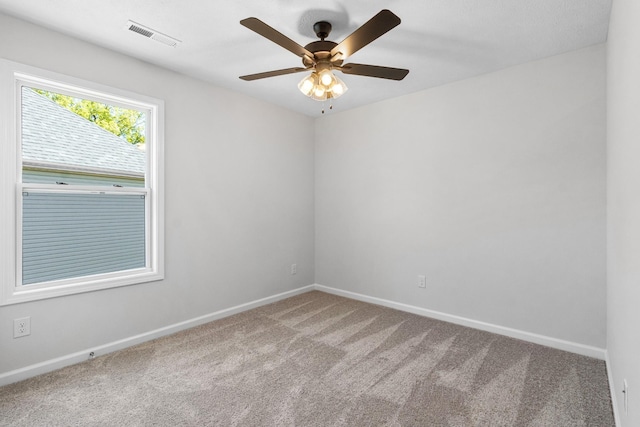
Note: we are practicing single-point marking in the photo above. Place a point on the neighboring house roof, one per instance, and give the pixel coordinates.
(55, 136)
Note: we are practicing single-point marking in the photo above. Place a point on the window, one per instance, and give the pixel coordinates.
(81, 186)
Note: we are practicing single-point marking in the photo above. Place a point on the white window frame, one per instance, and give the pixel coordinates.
(13, 76)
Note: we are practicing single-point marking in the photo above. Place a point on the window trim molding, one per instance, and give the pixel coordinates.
(12, 77)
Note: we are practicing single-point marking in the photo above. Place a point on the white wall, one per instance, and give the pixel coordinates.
(239, 204)
(623, 215)
(493, 187)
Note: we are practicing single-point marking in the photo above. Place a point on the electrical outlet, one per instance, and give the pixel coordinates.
(294, 268)
(625, 393)
(21, 327)
(422, 281)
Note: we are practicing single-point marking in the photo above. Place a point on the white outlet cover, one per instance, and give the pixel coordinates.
(422, 281)
(21, 327)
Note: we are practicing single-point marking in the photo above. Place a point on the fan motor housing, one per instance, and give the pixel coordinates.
(321, 50)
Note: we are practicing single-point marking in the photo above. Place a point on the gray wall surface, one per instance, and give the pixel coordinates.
(492, 187)
(623, 215)
(239, 204)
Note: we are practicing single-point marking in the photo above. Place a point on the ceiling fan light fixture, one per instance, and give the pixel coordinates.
(323, 85)
(324, 57)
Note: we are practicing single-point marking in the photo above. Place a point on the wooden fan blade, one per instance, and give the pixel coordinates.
(374, 71)
(274, 73)
(275, 36)
(384, 21)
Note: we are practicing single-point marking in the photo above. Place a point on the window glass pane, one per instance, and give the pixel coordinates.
(77, 141)
(67, 235)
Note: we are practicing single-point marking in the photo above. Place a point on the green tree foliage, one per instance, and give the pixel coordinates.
(127, 124)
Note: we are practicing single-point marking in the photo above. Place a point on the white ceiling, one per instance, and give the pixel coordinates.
(439, 41)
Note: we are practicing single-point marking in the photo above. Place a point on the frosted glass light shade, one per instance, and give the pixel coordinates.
(319, 93)
(327, 79)
(338, 88)
(307, 84)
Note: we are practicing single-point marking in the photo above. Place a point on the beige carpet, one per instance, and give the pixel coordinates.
(320, 360)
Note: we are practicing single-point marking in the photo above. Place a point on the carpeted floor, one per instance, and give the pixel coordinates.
(320, 360)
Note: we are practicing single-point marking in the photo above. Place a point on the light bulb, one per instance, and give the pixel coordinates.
(326, 78)
(338, 88)
(319, 93)
(307, 84)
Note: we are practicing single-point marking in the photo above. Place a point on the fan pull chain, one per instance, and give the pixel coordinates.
(330, 106)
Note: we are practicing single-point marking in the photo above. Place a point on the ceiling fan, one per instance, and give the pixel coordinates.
(321, 57)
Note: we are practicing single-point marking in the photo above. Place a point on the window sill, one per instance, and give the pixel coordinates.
(60, 288)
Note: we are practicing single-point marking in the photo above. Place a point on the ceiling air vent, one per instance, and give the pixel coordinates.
(152, 34)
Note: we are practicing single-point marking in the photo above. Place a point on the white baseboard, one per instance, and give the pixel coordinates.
(612, 389)
(81, 356)
(572, 347)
